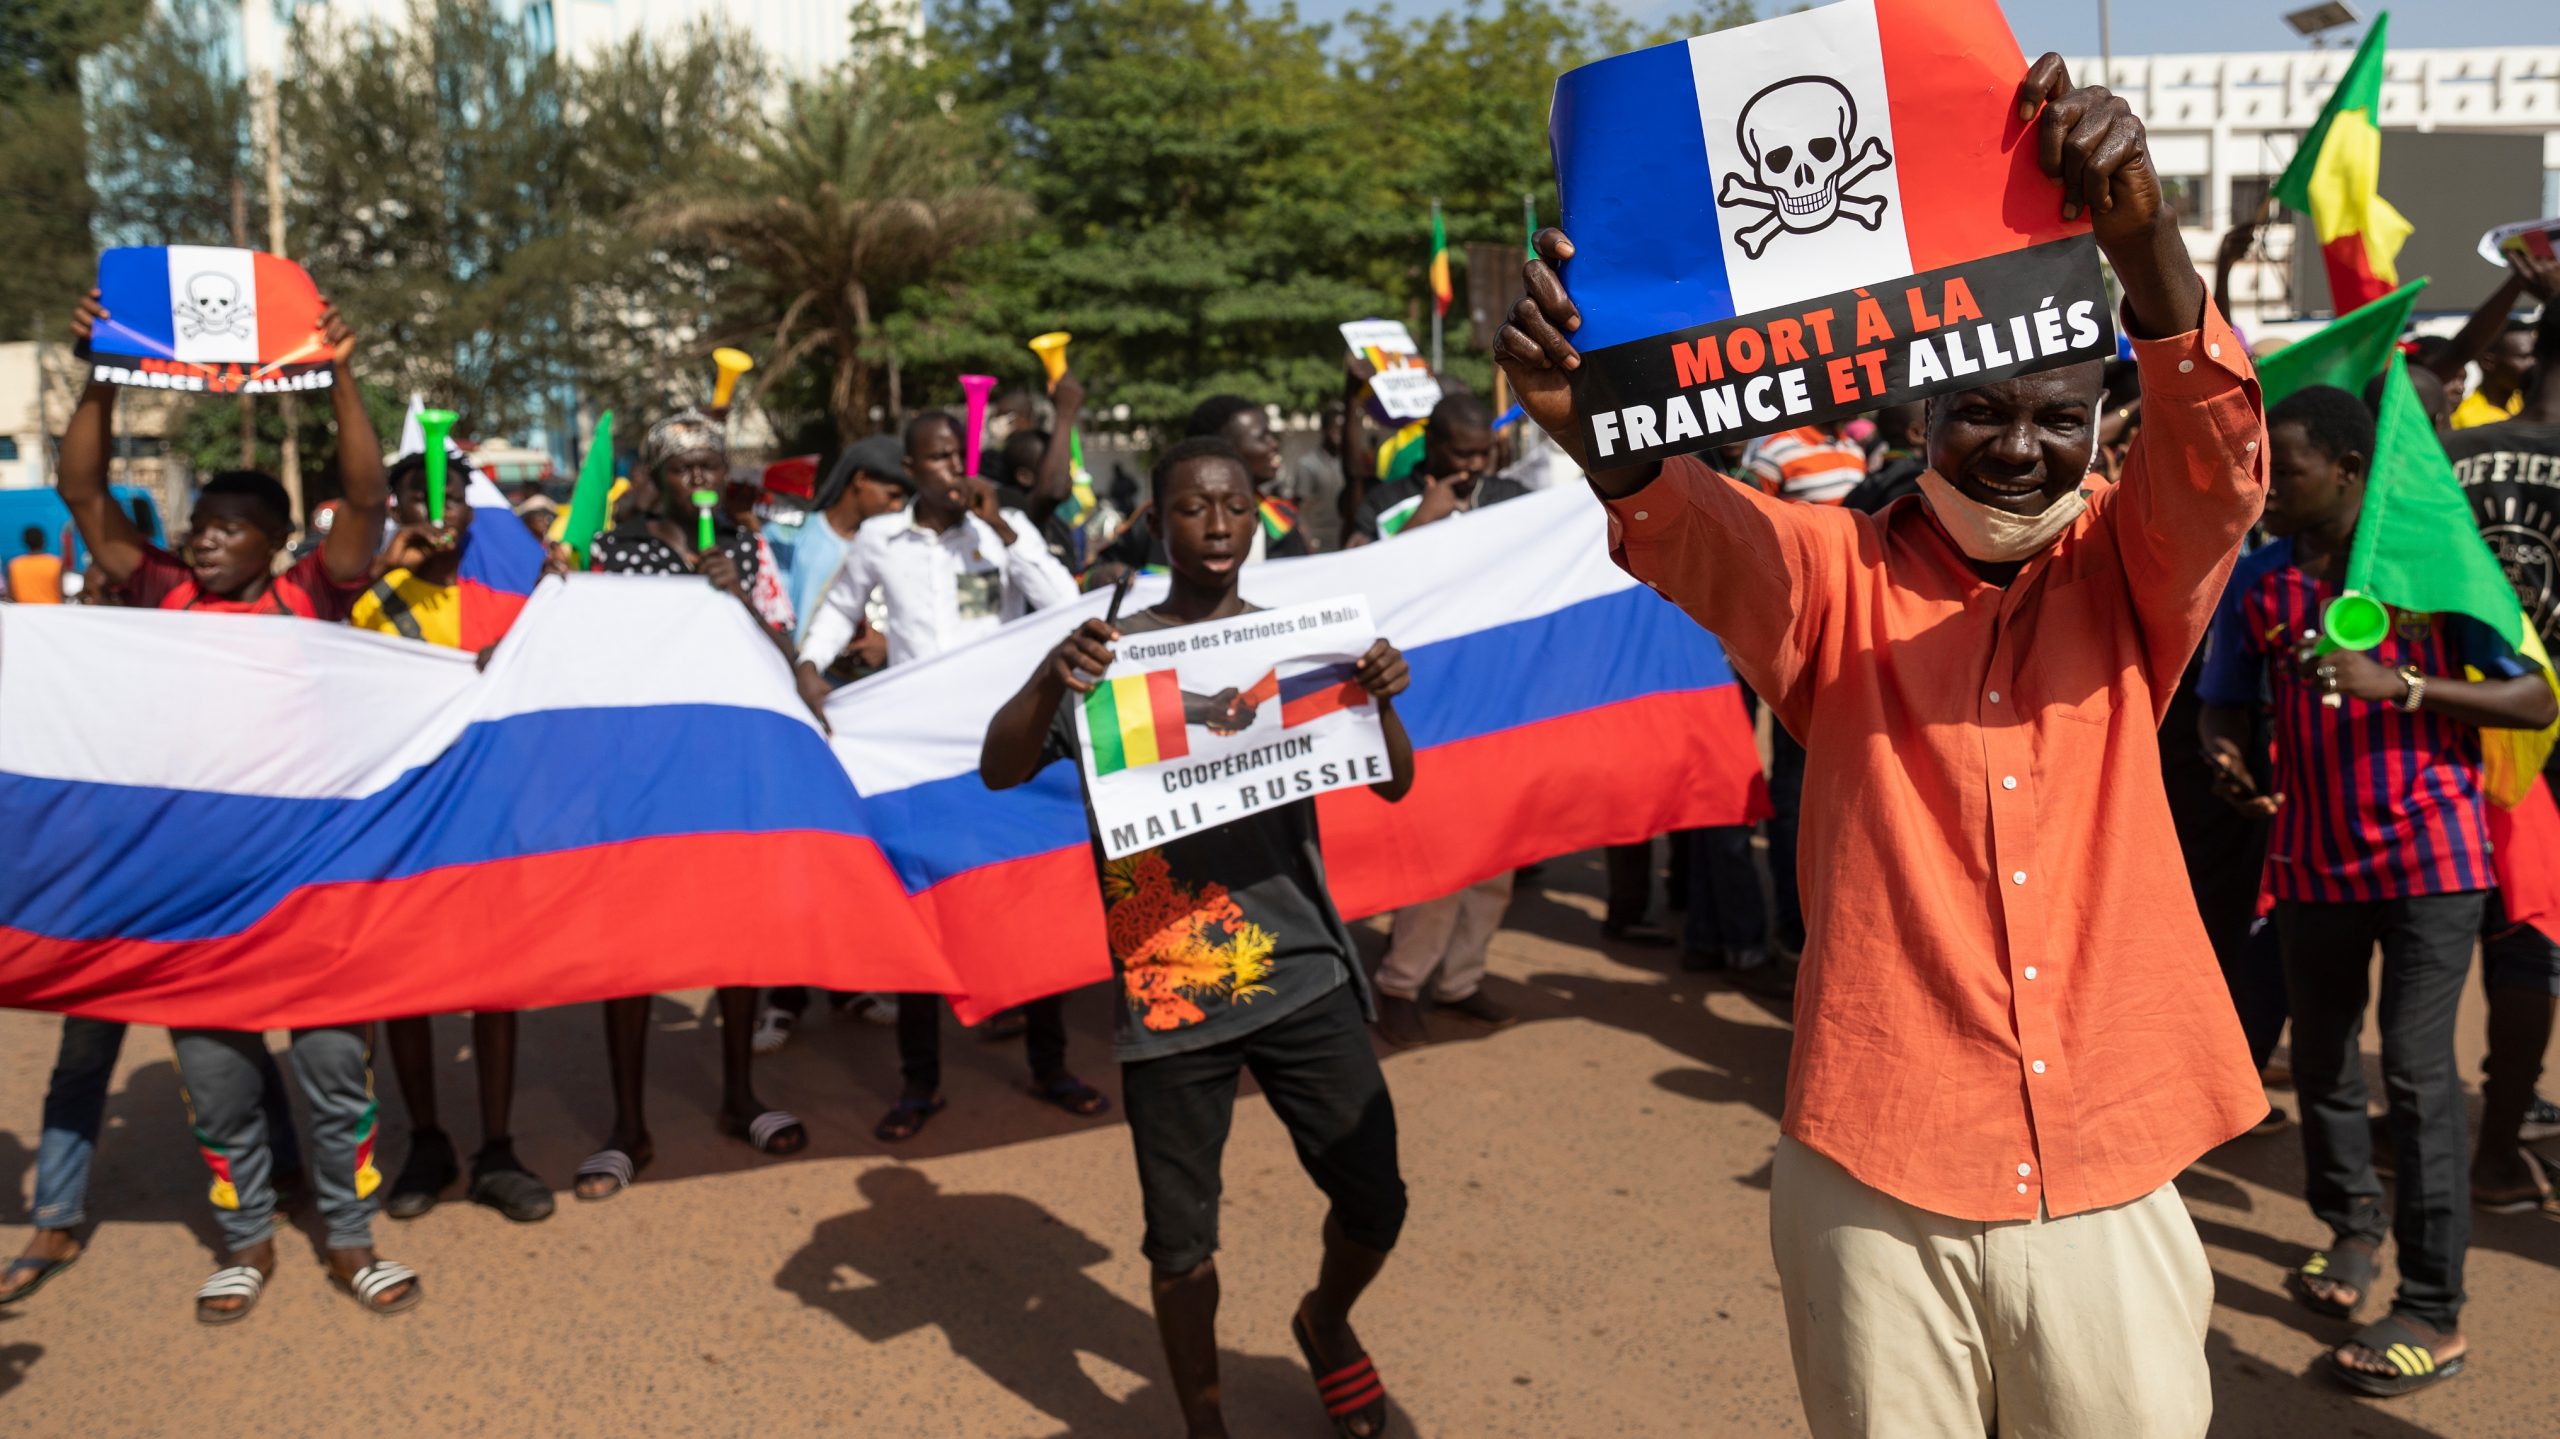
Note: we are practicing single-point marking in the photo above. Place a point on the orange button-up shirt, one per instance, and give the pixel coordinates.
(2007, 998)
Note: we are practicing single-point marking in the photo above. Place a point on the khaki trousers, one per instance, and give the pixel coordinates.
(1908, 1323)
(1449, 938)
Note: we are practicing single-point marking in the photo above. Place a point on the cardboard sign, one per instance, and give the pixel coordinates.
(1404, 388)
(1203, 725)
(212, 321)
(2525, 237)
(1809, 218)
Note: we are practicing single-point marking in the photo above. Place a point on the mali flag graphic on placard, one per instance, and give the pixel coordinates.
(1136, 720)
(2335, 178)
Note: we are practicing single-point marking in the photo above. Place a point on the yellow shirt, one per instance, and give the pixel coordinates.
(402, 604)
(2478, 409)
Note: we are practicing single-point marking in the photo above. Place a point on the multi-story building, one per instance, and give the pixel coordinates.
(804, 37)
(2223, 126)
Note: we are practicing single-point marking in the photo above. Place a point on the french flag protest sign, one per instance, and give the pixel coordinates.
(1810, 217)
(340, 825)
(207, 320)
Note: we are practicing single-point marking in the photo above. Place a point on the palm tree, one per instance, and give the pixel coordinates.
(852, 191)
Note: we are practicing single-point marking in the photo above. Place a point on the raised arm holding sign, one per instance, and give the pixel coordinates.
(2010, 1027)
(243, 519)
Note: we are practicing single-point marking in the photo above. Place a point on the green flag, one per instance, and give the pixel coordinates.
(2417, 546)
(595, 485)
(2347, 352)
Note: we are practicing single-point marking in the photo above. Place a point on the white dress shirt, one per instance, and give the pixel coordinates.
(941, 590)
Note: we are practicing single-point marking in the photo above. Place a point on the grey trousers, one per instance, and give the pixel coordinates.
(221, 1072)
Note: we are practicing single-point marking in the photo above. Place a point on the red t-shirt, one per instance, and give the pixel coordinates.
(165, 583)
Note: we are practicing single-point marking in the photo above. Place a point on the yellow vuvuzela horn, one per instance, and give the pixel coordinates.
(1052, 350)
(732, 363)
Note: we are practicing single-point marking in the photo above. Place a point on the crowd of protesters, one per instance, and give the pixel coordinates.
(2325, 805)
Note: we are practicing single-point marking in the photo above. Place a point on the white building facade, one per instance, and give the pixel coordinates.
(805, 38)
(2223, 127)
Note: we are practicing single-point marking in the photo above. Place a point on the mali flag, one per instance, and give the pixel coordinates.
(1441, 294)
(1136, 720)
(2335, 178)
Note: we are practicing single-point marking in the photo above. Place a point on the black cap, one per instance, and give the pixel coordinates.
(880, 456)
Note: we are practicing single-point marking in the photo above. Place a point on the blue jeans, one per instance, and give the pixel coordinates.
(75, 1109)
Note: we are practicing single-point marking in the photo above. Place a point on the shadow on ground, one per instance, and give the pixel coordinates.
(1010, 1289)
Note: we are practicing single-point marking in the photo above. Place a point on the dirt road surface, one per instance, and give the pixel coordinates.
(1587, 1253)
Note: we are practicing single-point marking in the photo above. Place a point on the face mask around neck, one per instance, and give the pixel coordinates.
(1997, 537)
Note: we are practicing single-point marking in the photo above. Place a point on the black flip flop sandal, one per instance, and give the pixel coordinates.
(511, 1189)
(1072, 1095)
(2399, 1345)
(42, 1269)
(430, 1169)
(1351, 1393)
(2354, 1268)
(906, 1119)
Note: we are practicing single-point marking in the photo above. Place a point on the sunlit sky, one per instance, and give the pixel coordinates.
(2163, 26)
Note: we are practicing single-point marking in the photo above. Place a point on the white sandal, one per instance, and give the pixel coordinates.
(610, 1164)
(243, 1282)
(367, 1285)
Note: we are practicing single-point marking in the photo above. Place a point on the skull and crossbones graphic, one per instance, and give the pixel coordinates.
(1800, 137)
(214, 306)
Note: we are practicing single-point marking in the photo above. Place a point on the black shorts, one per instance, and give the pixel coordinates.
(1322, 1078)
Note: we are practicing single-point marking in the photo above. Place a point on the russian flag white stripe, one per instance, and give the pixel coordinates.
(237, 704)
(270, 705)
(1481, 571)
(1756, 98)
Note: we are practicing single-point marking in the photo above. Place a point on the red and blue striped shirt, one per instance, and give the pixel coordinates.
(2378, 804)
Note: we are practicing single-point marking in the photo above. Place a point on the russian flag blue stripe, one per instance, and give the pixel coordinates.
(1462, 688)
(166, 864)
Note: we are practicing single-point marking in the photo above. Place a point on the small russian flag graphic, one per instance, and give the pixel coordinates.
(1311, 694)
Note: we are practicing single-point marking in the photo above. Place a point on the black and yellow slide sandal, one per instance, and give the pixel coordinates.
(2400, 1346)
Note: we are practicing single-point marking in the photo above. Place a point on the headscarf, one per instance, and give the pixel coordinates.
(683, 433)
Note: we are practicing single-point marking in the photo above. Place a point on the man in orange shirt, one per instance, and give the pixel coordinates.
(2010, 1031)
(35, 578)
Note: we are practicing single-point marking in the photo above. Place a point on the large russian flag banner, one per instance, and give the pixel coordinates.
(1807, 218)
(336, 825)
(1556, 704)
(207, 320)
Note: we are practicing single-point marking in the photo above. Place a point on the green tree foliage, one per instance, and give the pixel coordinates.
(852, 191)
(45, 198)
(1200, 190)
(1221, 184)
(461, 195)
(464, 197)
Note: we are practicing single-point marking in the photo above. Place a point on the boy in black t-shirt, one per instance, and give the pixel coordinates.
(1231, 956)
